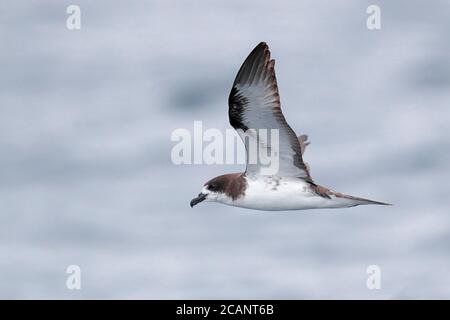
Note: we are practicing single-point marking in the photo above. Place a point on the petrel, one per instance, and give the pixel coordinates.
(254, 104)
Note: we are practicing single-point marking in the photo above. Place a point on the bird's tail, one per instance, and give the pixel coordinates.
(344, 199)
(361, 201)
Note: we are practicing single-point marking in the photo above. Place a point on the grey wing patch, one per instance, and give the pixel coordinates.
(303, 141)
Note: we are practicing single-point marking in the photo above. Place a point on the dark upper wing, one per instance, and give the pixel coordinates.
(254, 104)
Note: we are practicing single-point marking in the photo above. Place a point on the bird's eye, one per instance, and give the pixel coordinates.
(212, 187)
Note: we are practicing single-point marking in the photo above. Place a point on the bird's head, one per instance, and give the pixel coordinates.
(211, 191)
(225, 189)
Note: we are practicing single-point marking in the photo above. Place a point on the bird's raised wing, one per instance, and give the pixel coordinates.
(254, 104)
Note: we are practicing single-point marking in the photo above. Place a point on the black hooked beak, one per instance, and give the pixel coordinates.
(200, 198)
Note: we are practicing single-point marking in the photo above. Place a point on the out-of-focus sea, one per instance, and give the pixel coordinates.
(86, 176)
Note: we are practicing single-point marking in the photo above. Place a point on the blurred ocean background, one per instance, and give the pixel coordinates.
(86, 176)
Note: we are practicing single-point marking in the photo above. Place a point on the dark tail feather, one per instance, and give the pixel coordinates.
(363, 200)
(326, 193)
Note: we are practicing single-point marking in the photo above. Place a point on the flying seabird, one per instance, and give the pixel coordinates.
(254, 104)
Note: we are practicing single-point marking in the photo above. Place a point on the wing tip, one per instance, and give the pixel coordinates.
(262, 44)
(257, 65)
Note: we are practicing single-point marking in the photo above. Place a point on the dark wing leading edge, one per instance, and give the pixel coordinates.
(254, 103)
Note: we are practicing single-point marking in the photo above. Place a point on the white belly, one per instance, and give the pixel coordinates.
(275, 193)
